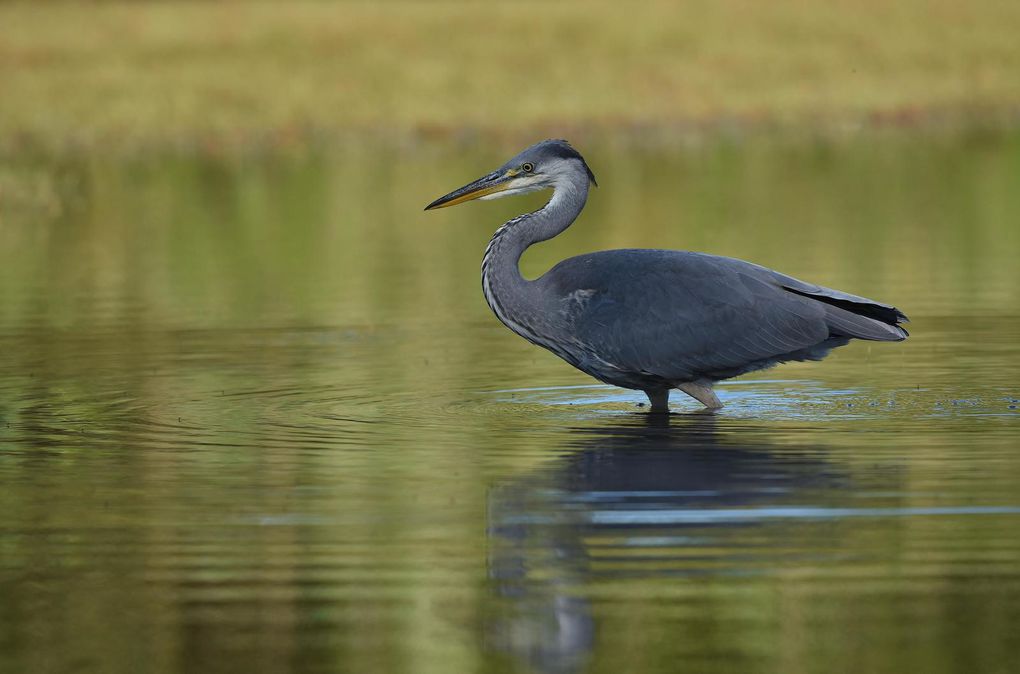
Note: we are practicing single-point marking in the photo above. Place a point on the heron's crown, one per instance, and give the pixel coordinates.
(553, 148)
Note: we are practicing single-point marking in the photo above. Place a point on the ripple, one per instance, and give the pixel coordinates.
(778, 399)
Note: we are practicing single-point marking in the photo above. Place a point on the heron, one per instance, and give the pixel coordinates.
(647, 319)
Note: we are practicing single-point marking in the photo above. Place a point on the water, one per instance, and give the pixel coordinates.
(255, 416)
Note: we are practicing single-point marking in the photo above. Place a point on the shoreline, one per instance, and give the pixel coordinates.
(692, 132)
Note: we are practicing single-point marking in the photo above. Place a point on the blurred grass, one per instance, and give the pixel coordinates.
(190, 73)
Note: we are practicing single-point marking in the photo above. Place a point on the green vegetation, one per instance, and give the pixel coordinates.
(223, 74)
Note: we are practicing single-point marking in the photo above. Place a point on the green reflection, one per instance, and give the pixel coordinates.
(255, 414)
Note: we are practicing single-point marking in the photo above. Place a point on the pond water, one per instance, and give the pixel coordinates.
(256, 416)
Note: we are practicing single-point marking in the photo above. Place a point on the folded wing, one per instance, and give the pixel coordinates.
(687, 316)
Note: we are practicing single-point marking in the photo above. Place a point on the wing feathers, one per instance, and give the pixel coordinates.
(686, 316)
(851, 303)
(850, 324)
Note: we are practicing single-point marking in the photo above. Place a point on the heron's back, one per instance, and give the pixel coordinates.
(636, 316)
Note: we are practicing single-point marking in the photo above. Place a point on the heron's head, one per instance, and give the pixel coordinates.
(550, 163)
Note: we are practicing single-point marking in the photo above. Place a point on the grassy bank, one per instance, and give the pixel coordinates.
(171, 73)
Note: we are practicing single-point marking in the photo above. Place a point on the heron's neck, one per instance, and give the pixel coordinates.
(506, 290)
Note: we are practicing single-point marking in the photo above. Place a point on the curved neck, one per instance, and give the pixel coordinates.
(509, 294)
(511, 240)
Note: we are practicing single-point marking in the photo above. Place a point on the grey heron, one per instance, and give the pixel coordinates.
(653, 320)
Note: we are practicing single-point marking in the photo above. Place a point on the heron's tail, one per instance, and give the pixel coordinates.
(852, 316)
(850, 324)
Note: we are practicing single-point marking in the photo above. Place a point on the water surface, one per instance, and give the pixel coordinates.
(255, 416)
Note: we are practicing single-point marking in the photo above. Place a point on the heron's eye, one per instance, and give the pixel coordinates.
(527, 167)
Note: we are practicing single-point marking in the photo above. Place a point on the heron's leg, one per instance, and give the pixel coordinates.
(703, 394)
(659, 400)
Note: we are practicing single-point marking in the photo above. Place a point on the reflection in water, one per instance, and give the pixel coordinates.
(626, 502)
(680, 499)
(249, 422)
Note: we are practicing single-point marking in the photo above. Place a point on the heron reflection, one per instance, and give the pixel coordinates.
(634, 500)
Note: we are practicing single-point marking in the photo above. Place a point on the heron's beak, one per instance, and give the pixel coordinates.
(483, 187)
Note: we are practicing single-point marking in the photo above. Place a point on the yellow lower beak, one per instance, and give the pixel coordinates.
(485, 186)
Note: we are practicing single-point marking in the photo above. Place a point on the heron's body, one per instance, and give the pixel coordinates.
(654, 320)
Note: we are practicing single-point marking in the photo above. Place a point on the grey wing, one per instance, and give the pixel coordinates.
(886, 318)
(687, 316)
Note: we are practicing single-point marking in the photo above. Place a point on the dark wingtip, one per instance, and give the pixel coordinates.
(901, 318)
